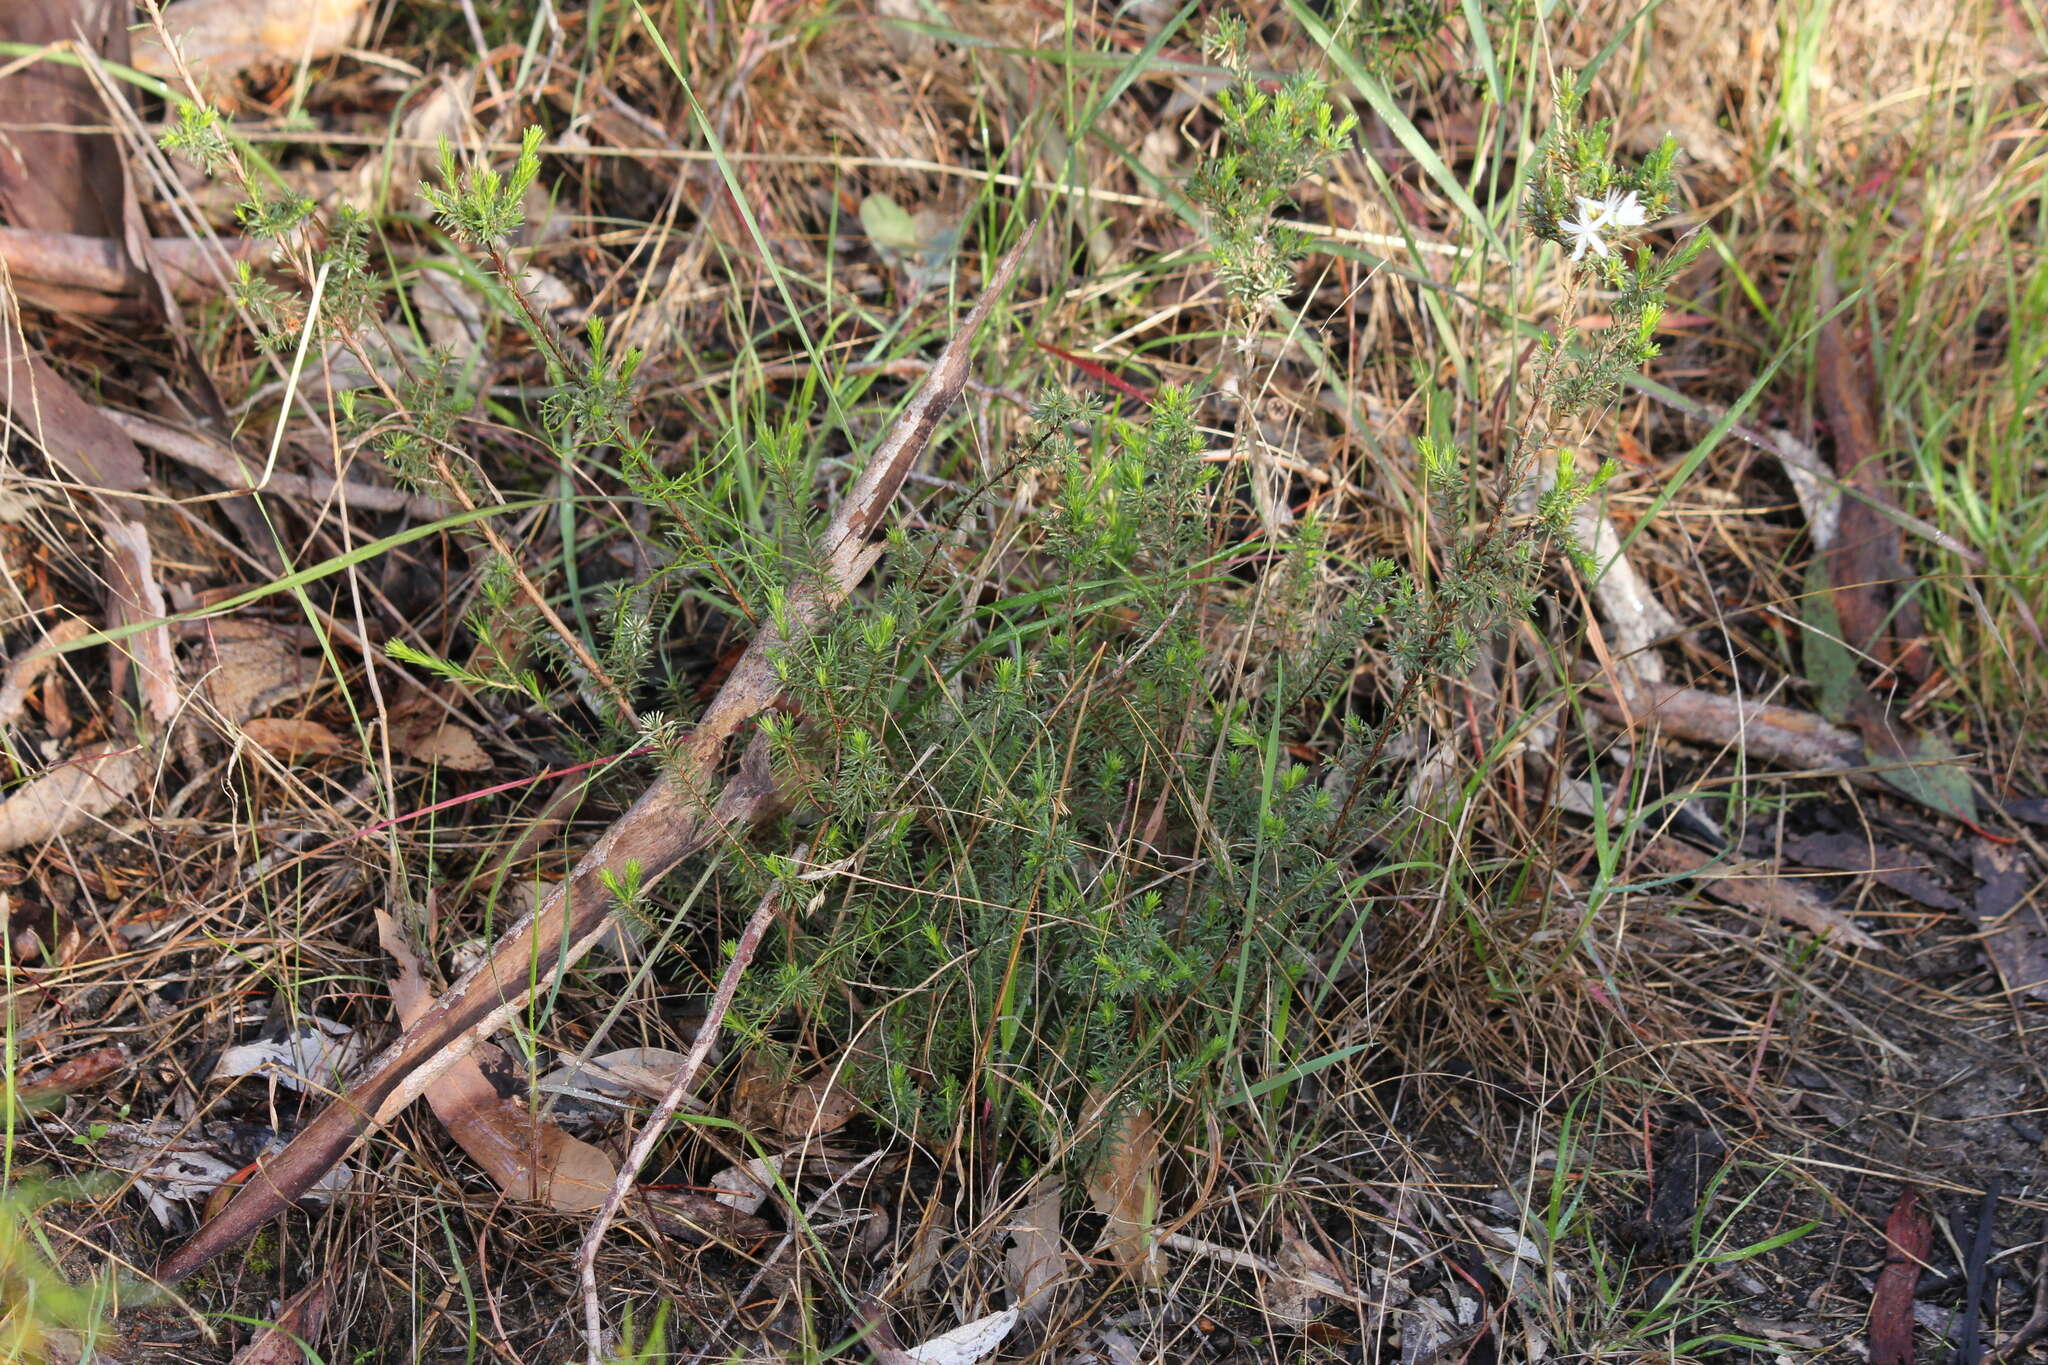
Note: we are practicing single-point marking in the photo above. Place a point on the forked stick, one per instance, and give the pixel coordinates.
(676, 816)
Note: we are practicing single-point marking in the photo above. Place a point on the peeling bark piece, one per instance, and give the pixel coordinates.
(222, 37)
(1769, 896)
(1779, 735)
(2010, 918)
(284, 1341)
(528, 1157)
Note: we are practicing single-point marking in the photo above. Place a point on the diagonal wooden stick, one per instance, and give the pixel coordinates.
(657, 1122)
(674, 818)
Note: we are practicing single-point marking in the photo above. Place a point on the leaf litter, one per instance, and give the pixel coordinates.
(1995, 909)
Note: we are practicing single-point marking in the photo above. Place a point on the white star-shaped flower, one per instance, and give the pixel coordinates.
(1616, 209)
(1585, 230)
(1619, 210)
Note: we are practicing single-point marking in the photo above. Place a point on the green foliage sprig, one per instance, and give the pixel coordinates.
(1272, 141)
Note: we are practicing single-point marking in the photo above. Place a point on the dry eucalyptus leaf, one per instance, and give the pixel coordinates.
(746, 1187)
(1124, 1187)
(529, 1157)
(312, 1055)
(644, 1071)
(222, 37)
(62, 799)
(963, 1345)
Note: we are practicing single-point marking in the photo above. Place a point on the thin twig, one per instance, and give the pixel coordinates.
(2036, 1325)
(657, 1123)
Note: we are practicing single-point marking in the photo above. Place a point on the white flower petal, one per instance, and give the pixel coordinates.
(1585, 233)
(1623, 210)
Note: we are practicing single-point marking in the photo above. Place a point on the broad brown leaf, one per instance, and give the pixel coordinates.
(529, 1157)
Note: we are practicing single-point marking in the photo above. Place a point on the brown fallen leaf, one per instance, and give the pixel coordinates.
(69, 1077)
(1888, 865)
(284, 1342)
(52, 179)
(1908, 1238)
(770, 1102)
(2008, 914)
(291, 738)
(1758, 891)
(1879, 615)
(529, 1157)
(68, 795)
(221, 37)
(25, 672)
(1124, 1187)
(1294, 1296)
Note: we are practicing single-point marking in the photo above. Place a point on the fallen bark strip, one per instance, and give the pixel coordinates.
(193, 270)
(1779, 735)
(225, 466)
(675, 817)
